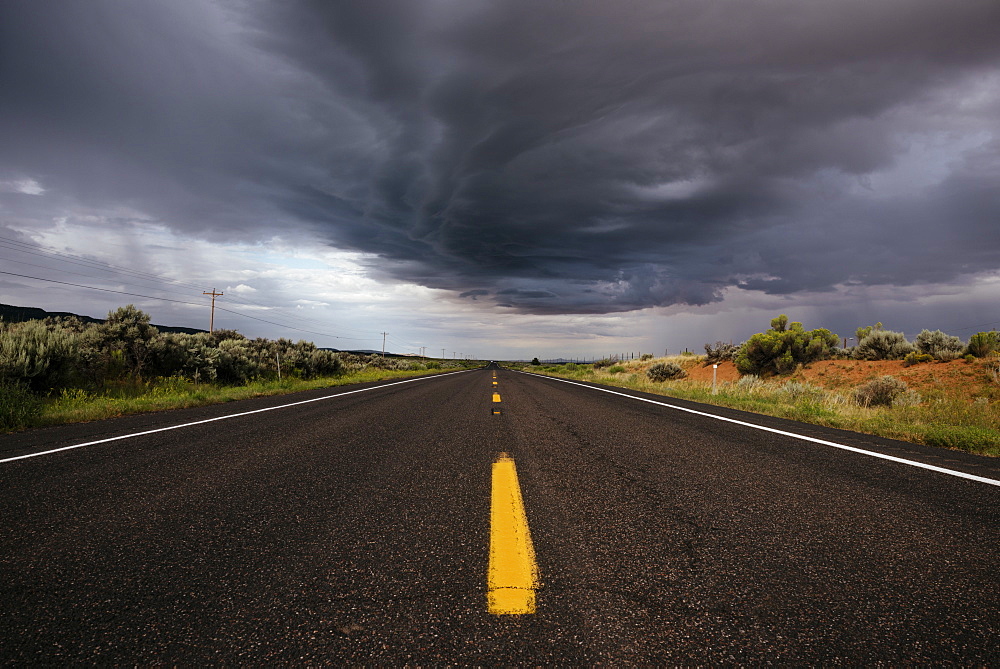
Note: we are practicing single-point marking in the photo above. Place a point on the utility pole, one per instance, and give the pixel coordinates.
(383, 342)
(442, 354)
(211, 320)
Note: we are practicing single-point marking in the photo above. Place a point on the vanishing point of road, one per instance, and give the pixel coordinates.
(392, 523)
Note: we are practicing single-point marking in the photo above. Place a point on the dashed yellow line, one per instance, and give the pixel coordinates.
(513, 573)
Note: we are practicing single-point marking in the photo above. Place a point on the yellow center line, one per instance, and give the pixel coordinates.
(513, 573)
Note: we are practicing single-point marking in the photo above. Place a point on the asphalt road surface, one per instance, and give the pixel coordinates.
(356, 529)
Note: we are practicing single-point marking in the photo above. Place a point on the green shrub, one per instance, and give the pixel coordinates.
(615, 369)
(880, 392)
(41, 358)
(784, 347)
(18, 405)
(883, 345)
(982, 344)
(646, 356)
(993, 369)
(600, 364)
(664, 371)
(963, 437)
(938, 345)
(127, 331)
(914, 358)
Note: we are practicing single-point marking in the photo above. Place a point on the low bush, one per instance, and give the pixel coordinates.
(18, 405)
(615, 369)
(40, 358)
(914, 358)
(719, 352)
(646, 356)
(880, 392)
(883, 345)
(750, 383)
(793, 391)
(664, 371)
(982, 344)
(939, 345)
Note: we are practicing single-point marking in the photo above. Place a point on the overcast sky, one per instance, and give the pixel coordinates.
(505, 178)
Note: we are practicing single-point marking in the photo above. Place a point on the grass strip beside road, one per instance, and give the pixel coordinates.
(77, 406)
(946, 422)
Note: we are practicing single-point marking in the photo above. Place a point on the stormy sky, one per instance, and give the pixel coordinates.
(643, 172)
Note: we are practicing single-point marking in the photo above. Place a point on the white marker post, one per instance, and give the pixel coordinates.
(715, 370)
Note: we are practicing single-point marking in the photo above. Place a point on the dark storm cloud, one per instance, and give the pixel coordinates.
(573, 156)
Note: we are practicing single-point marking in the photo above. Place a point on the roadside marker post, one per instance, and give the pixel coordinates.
(715, 370)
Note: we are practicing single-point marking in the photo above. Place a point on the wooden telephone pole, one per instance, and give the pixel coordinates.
(211, 320)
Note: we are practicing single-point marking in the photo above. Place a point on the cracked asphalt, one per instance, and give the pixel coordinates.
(355, 530)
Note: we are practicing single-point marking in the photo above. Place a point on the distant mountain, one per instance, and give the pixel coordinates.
(11, 314)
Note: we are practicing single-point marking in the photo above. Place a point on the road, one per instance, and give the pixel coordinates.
(356, 529)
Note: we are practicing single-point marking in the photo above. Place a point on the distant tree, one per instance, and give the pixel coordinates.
(784, 346)
(982, 344)
(861, 333)
(534, 361)
(128, 336)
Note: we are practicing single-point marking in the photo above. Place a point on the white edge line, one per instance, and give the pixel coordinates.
(232, 415)
(912, 463)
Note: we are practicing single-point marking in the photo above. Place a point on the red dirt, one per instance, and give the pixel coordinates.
(957, 375)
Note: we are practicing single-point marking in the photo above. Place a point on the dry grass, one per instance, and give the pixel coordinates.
(955, 405)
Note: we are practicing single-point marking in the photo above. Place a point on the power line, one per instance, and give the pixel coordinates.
(24, 247)
(167, 299)
(148, 277)
(211, 321)
(976, 327)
